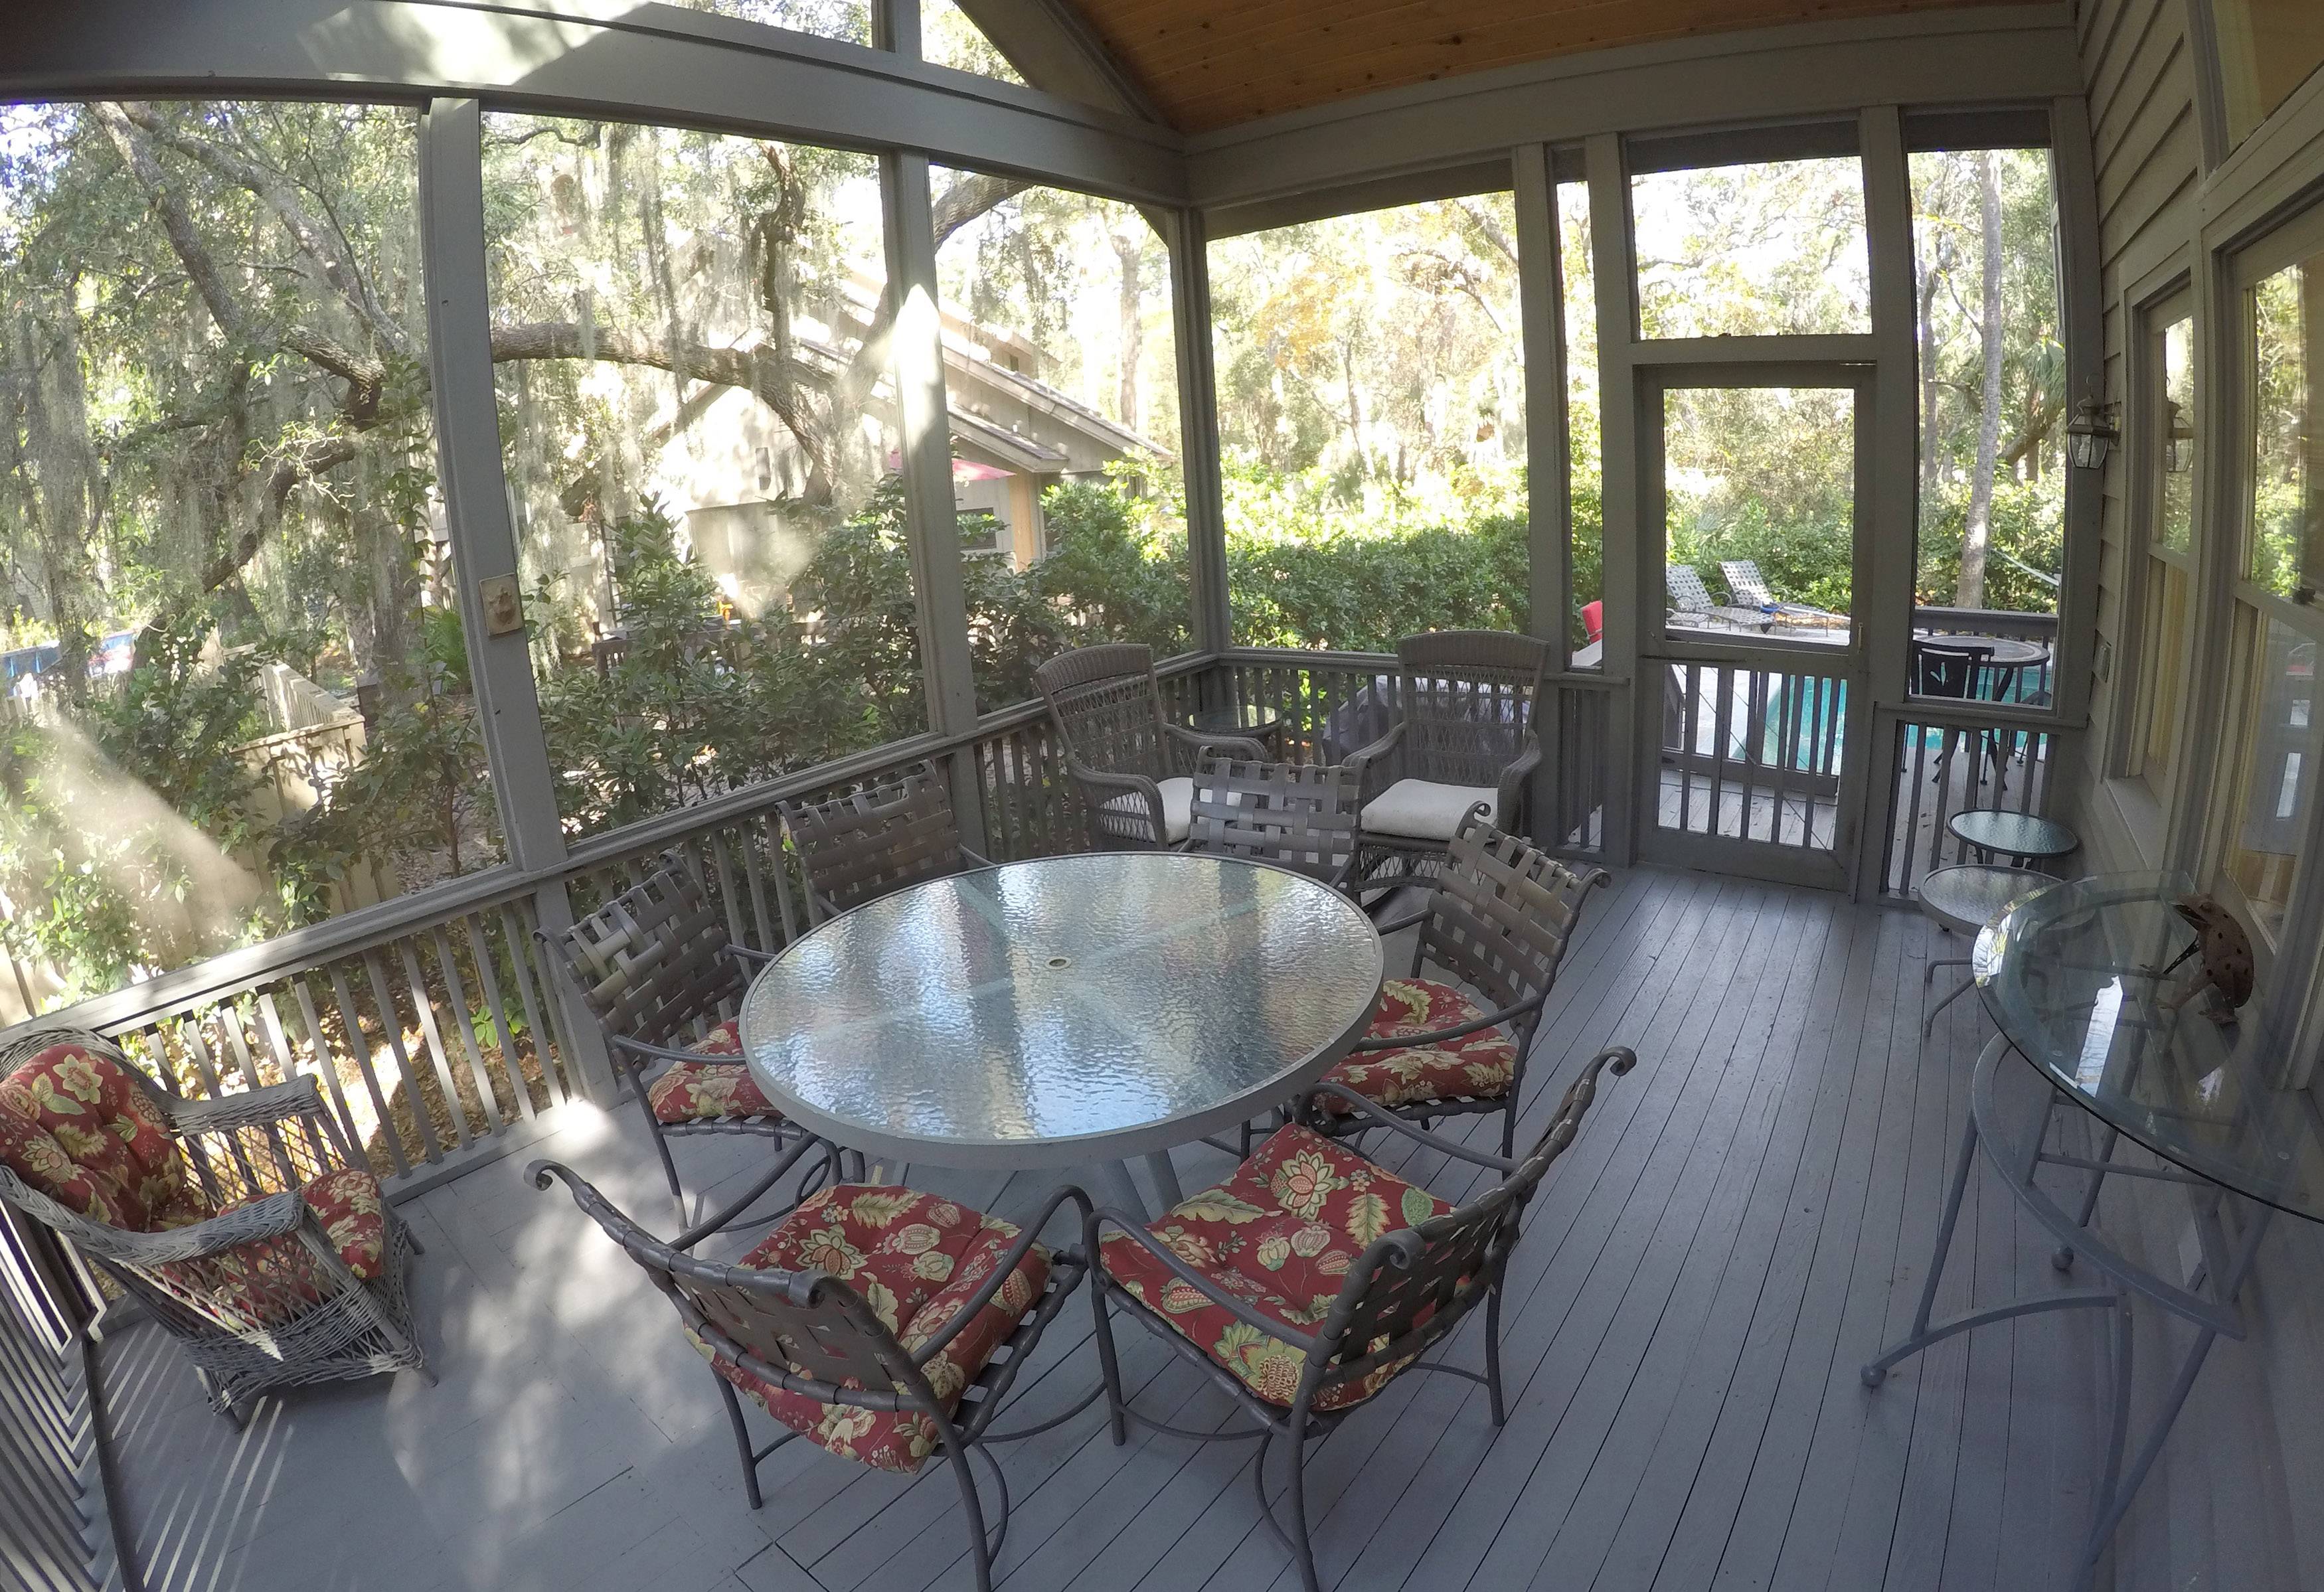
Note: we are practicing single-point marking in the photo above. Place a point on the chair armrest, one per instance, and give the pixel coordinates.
(1376, 766)
(975, 1302)
(270, 1216)
(663, 1053)
(1136, 1232)
(1374, 1117)
(745, 953)
(1513, 783)
(249, 1107)
(976, 859)
(1196, 743)
(1101, 787)
(1439, 1035)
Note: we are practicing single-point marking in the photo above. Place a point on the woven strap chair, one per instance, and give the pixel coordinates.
(1748, 586)
(655, 967)
(1132, 765)
(1689, 599)
(862, 845)
(1497, 919)
(792, 1326)
(242, 1224)
(1312, 1277)
(1299, 816)
(1464, 734)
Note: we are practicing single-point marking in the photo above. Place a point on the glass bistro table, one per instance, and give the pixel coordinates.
(1064, 1011)
(2095, 983)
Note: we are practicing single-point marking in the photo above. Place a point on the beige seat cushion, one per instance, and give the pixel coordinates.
(1177, 806)
(1423, 810)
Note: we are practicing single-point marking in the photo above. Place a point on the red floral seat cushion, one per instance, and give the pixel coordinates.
(915, 1258)
(1280, 1235)
(709, 1092)
(126, 1169)
(271, 1280)
(1478, 1066)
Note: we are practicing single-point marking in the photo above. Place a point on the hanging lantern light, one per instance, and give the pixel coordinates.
(2178, 442)
(2090, 435)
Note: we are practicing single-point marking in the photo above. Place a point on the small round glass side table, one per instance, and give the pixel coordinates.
(1962, 900)
(1250, 719)
(2020, 836)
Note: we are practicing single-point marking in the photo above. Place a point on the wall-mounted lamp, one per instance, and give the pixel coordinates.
(2090, 435)
(2178, 441)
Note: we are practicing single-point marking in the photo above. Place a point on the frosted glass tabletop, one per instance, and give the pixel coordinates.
(1064, 1009)
(2095, 982)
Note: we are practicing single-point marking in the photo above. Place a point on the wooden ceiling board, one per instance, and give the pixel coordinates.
(1209, 64)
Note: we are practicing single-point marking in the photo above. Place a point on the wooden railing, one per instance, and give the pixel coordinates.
(1751, 754)
(55, 1531)
(1949, 758)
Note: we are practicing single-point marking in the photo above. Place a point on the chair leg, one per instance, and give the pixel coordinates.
(1493, 1353)
(1302, 1549)
(669, 1164)
(1109, 1366)
(741, 1440)
(973, 1508)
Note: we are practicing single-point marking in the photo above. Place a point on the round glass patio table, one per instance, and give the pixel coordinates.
(1062, 1011)
(2089, 979)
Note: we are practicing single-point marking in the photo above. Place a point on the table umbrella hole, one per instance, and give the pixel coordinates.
(1061, 961)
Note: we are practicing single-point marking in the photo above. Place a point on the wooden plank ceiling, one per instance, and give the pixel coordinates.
(1212, 63)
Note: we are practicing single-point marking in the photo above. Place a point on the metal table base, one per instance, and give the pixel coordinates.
(2018, 1154)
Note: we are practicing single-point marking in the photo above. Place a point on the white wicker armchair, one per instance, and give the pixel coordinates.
(241, 1223)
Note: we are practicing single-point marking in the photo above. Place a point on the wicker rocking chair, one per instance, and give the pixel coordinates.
(242, 1224)
(1302, 1334)
(860, 846)
(790, 1326)
(1133, 767)
(654, 965)
(1464, 734)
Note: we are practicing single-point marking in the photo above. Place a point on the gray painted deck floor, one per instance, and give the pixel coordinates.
(1742, 1221)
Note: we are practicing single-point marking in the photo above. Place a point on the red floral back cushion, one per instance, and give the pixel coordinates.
(33, 1154)
(103, 1122)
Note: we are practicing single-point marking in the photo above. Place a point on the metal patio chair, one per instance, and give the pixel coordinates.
(1132, 766)
(1296, 815)
(1463, 734)
(1951, 671)
(1312, 1277)
(1690, 599)
(840, 1327)
(654, 965)
(1497, 919)
(1748, 587)
(243, 1224)
(859, 846)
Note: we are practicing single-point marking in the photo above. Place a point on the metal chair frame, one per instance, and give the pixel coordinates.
(1498, 918)
(268, 1143)
(1461, 692)
(1106, 702)
(1297, 816)
(655, 965)
(1407, 1293)
(1745, 584)
(862, 845)
(769, 1323)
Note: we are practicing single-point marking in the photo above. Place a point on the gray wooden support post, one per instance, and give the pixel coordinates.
(482, 536)
(1198, 431)
(1634, 719)
(1549, 517)
(2081, 309)
(931, 521)
(1885, 610)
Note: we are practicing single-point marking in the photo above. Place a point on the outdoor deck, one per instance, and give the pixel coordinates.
(1742, 1221)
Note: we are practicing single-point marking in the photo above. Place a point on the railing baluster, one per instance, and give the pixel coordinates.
(391, 1021)
(325, 1063)
(366, 1067)
(521, 965)
(480, 956)
(455, 996)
